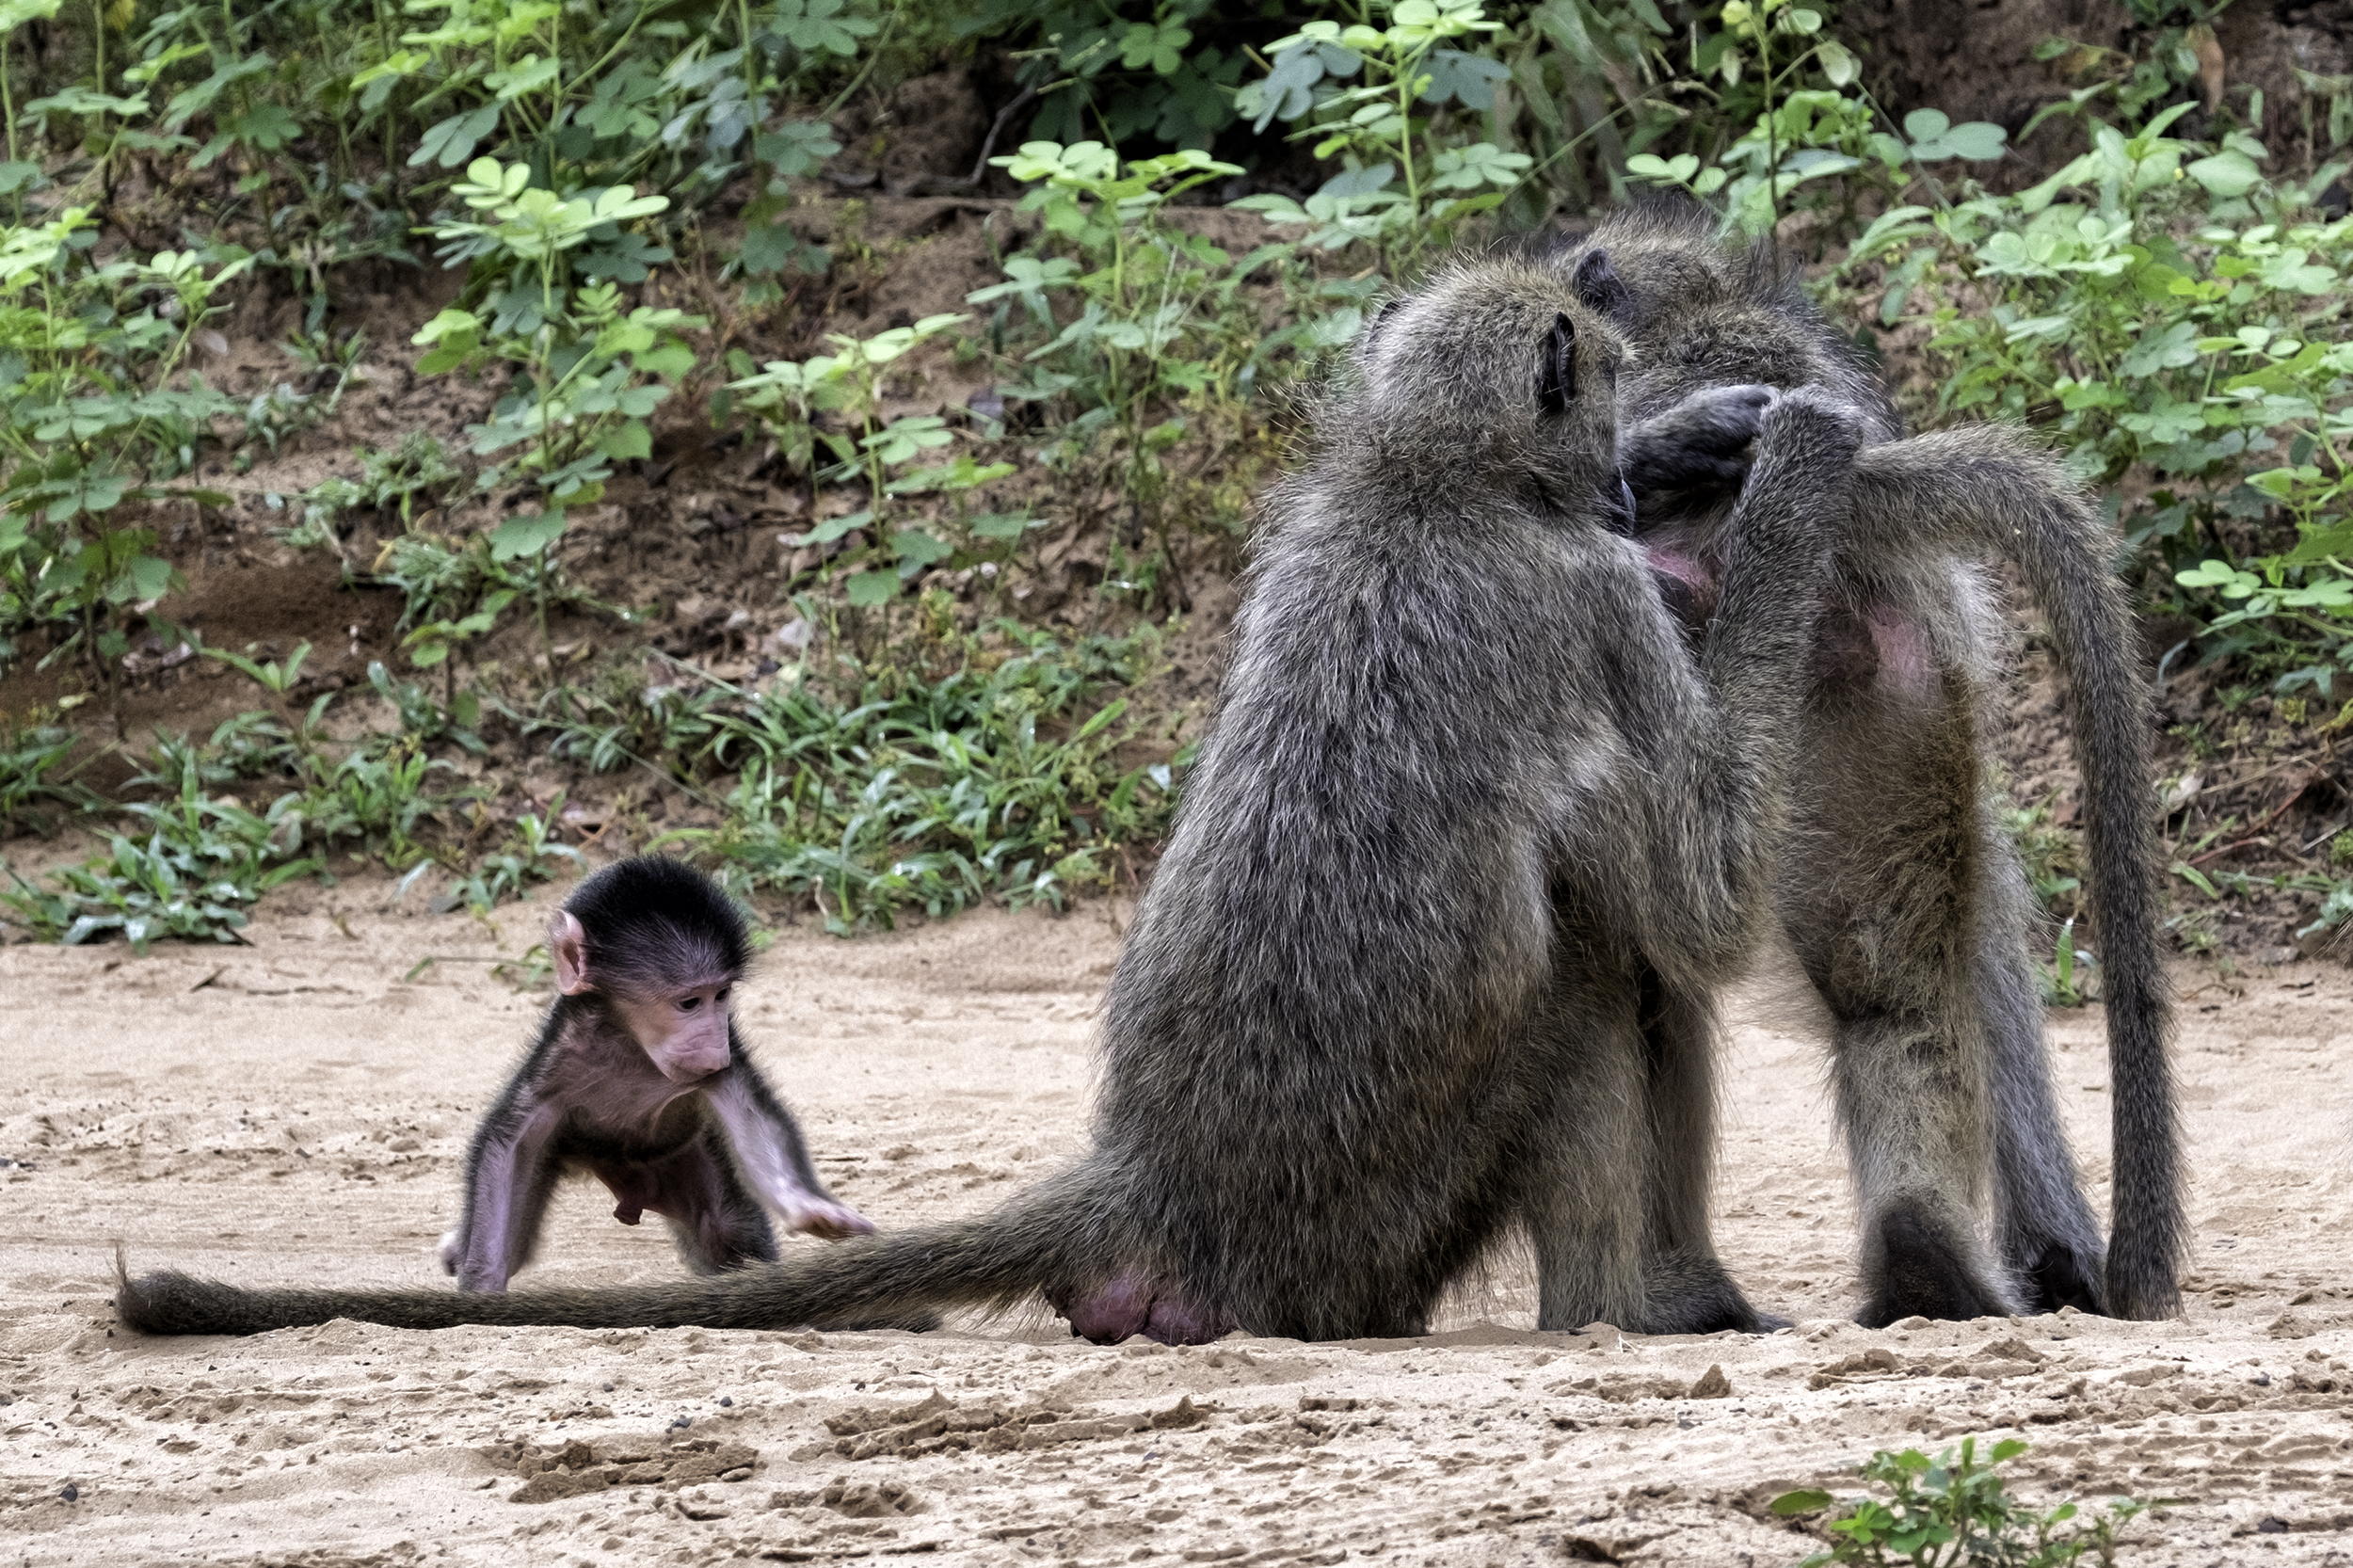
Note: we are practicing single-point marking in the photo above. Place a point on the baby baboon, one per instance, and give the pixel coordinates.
(639, 1079)
(1904, 899)
(1471, 822)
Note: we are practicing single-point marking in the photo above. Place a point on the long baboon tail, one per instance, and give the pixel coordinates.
(1993, 486)
(1038, 1241)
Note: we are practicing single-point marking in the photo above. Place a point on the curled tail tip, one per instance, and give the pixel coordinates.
(140, 1304)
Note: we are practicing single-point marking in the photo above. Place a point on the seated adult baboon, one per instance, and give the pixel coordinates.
(1471, 815)
(1902, 896)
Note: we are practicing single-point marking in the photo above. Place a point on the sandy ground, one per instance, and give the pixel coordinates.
(298, 1111)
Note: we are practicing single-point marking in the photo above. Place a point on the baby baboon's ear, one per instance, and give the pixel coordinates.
(1380, 319)
(1556, 368)
(1597, 283)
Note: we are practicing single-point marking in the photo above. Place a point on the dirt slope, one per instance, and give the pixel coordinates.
(298, 1109)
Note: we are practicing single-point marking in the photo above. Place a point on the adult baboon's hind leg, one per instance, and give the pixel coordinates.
(1584, 1172)
(1685, 1287)
(1618, 1181)
(1882, 892)
(2048, 1236)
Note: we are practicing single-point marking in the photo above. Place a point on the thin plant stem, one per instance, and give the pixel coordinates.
(867, 70)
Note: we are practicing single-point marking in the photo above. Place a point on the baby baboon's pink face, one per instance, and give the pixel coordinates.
(684, 1033)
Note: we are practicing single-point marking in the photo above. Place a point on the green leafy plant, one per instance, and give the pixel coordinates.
(89, 354)
(34, 773)
(1403, 190)
(423, 720)
(788, 398)
(633, 714)
(590, 372)
(1817, 140)
(1148, 332)
(201, 862)
(2170, 313)
(530, 855)
(381, 797)
(455, 589)
(2157, 60)
(1130, 71)
(389, 481)
(1954, 1511)
(17, 174)
(995, 779)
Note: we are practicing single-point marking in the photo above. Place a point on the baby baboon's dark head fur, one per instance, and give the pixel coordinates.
(653, 924)
(1696, 310)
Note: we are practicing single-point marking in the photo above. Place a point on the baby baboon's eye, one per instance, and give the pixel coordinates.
(1555, 367)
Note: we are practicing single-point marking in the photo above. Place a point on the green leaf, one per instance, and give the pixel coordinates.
(1927, 124)
(452, 141)
(2166, 347)
(2225, 174)
(1792, 1503)
(867, 589)
(795, 148)
(833, 528)
(1455, 77)
(526, 534)
(913, 546)
(1006, 526)
(627, 440)
(1978, 141)
(150, 576)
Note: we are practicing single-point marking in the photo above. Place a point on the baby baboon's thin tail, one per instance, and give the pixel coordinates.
(1990, 487)
(891, 1281)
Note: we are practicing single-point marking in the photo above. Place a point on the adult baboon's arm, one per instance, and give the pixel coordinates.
(1717, 801)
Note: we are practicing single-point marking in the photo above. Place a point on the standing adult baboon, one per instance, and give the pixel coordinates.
(1472, 819)
(1904, 900)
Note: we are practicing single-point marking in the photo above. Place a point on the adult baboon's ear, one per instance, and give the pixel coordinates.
(1597, 283)
(1556, 368)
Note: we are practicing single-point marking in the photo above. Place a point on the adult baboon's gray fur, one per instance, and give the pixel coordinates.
(1904, 900)
(1472, 831)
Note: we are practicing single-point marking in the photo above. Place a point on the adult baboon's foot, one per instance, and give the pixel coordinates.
(1690, 1293)
(2053, 1274)
(1157, 1309)
(1916, 1267)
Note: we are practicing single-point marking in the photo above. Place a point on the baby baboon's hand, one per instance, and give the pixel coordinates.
(1701, 442)
(835, 1221)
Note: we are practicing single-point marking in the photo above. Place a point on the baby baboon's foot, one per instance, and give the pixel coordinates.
(1701, 443)
(2055, 1274)
(1922, 1270)
(1155, 1308)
